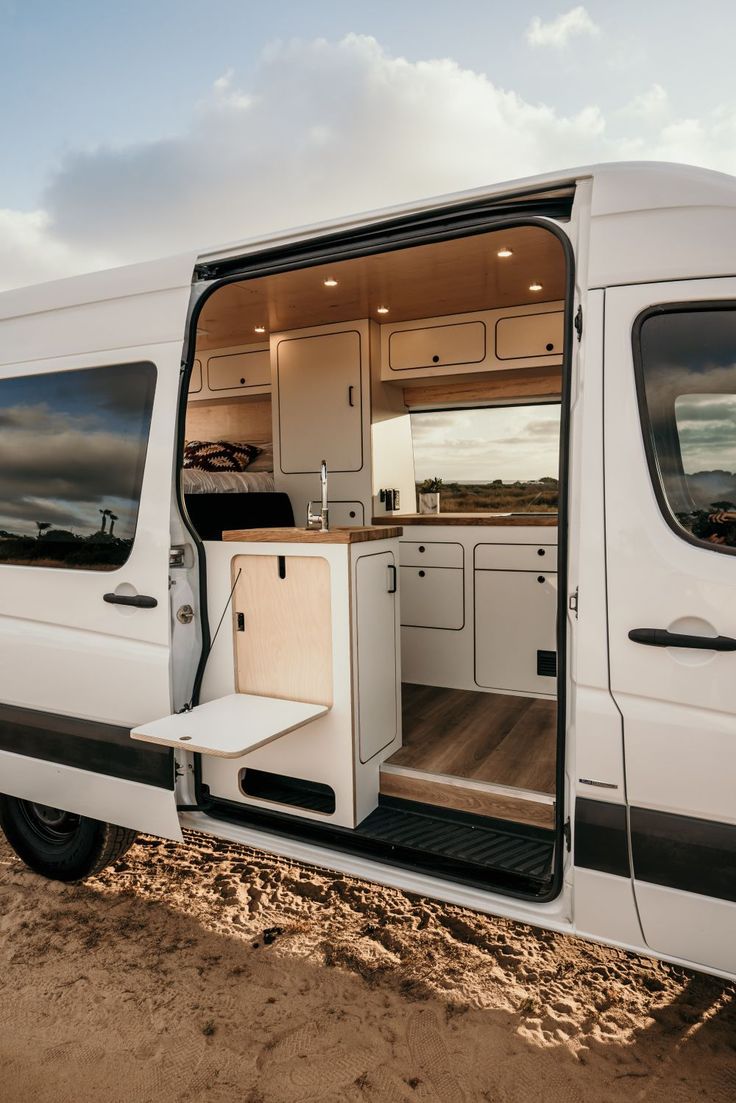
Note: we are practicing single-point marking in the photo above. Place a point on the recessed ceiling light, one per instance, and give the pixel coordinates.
(260, 329)
(381, 310)
(505, 252)
(535, 285)
(329, 282)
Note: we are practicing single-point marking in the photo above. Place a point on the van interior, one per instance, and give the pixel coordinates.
(456, 375)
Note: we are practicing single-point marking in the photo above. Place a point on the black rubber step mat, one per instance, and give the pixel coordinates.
(469, 840)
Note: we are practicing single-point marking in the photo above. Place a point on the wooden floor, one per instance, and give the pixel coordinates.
(459, 746)
(486, 736)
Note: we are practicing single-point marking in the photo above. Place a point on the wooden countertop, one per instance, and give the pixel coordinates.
(528, 520)
(354, 535)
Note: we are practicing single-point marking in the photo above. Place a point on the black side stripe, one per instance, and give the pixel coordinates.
(601, 840)
(100, 748)
(678, 852)
(685, 853)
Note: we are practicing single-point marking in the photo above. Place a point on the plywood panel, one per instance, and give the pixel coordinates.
(285, 650)
(449, 277)
(523, 383)
(466, 798)
(241, 419)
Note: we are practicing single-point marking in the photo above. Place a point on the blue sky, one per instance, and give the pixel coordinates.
(133, 129)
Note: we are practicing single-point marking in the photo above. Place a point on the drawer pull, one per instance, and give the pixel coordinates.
(422, 574)
(549, 346)
(422, 548)
(242, 381)
(435, 359)
(541, 578)
(541, 551)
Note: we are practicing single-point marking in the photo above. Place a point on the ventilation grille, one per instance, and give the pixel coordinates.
(547, 664)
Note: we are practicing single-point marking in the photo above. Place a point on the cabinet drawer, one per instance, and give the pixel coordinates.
(239, 370)
(432, 597)
(195, 379)
(527, 335)
(516, 557)
(342, 514)
(432, 346)
(432, 554)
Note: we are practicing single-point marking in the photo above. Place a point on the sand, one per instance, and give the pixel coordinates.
(212, 972)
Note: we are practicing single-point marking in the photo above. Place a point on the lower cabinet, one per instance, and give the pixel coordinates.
(376, 634)
(515, 630)
(432, 597)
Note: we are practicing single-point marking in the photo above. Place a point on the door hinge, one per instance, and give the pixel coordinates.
(579, 322)
(573, 602)
(567, 832)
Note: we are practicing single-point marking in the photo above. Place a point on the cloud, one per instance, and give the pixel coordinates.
(558, 32)
(320, 129)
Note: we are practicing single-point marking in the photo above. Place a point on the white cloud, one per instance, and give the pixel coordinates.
(558, 32)
(317, 130)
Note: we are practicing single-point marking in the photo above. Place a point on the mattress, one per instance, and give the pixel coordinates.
(195, 481)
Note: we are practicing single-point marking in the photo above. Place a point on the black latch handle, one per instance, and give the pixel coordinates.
(660, 637)
(139, 601)
(394, 577)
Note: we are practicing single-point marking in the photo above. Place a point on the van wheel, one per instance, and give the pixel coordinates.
(58, 844)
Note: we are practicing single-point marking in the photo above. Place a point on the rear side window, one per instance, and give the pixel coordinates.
(72, 455)
(686, 378)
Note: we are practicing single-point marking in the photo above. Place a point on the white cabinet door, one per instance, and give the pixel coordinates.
(526, 335)
(432, 597)
(457, 343)
(320, 402)
(515, 619)
(377, 652)
(240, 370)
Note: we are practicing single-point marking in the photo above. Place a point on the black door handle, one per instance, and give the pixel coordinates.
(392, 587)
(140, 601)
(351, 388)
(660, 637)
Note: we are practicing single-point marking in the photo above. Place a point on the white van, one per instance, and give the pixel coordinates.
(520, 700)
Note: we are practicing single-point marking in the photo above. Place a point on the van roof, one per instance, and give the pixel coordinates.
(618, 188)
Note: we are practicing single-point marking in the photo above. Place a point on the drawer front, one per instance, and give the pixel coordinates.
(432, 597)
(432, 554)
(195, 379)
(433, 346)
(239, 370)
(516, 557)
(527, 335)
(342, 514)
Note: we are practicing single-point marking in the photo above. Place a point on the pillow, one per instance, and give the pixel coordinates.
(219, 455)
(264, 459)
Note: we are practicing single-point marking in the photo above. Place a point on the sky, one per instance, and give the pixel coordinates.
(136, 129)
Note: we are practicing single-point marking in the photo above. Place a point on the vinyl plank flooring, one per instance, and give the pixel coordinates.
(488, 736)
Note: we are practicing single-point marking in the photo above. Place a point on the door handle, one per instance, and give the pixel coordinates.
(139, 601)
(351, 388)
(394, 576)
(660, 637)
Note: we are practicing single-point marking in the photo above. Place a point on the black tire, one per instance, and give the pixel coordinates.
(58, 844)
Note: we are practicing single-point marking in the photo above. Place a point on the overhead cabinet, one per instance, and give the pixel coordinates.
(320, 401)
(232, 372)
(488, 340)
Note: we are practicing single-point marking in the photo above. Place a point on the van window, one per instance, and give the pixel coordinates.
(72, 453)
(686, 377)
(494, 459)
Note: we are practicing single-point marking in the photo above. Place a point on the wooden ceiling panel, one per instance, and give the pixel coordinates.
(449, 277)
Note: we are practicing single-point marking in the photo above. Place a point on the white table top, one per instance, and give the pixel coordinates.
(229, 726)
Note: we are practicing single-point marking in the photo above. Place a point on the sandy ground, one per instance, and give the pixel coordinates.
(210, 972)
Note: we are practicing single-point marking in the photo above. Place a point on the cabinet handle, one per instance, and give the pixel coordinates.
(351, 388)
(393, 584)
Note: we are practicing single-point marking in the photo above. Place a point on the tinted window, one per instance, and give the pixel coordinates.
(499, 459)
(687, 387)
(72, 454)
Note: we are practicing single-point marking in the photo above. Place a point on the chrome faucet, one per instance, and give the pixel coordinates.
(320, 520)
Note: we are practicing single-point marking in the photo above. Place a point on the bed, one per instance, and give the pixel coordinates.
(218, 501)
